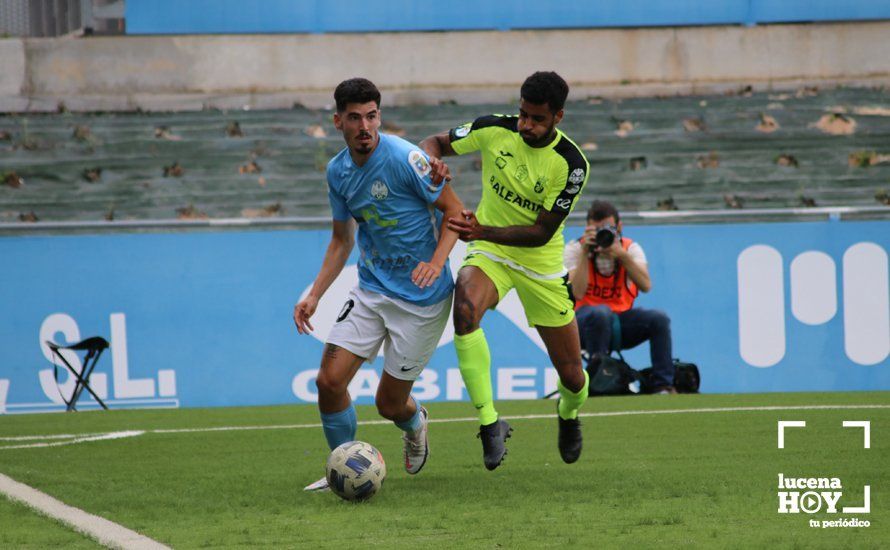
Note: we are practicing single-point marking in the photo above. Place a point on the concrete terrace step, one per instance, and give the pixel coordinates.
(657, 160)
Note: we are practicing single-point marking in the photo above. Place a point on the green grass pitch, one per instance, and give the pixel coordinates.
(704, 478)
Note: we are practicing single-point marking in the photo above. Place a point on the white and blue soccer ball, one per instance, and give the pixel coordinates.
(355, 471)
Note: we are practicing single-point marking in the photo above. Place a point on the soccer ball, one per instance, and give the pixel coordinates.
(355, 470)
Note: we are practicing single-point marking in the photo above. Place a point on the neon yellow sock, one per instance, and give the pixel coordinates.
(474, 361)
(570, 402)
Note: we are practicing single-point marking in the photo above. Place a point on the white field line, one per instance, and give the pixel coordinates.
(106, 532)
(117, 435)
(88, 437)
(43, 437)
(534, 417)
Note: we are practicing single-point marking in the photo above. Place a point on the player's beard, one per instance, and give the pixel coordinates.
(532, 141)
(363, 148)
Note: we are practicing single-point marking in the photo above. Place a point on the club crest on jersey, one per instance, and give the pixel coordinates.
(421, 166)
(577, 176)
(379, 190)
(522, 172)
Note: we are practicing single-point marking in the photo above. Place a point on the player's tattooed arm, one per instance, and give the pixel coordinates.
(468, 228)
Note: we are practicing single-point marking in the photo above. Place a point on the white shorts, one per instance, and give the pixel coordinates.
(410, 332)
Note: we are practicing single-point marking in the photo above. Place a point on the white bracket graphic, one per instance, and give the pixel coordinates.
(788, 424)
(866, 503)
(866, 431)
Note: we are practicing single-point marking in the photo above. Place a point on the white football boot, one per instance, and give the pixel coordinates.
(318, 486)
(417, 447)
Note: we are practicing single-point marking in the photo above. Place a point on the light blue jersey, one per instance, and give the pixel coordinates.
(391, 197)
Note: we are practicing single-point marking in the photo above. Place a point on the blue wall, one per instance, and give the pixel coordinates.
(204, 319)
(318, 16)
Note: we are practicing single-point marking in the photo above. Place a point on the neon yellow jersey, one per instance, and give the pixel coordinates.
(518, 181)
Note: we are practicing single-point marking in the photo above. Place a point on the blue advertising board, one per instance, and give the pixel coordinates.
(205, 319)
(317, 16)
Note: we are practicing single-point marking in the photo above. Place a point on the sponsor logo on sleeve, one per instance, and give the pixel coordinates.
(563, 204)
(419, 163)
(573, 189)
(577, 176)
(462, 131)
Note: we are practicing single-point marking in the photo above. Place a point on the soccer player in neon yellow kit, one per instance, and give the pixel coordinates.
(532, 175)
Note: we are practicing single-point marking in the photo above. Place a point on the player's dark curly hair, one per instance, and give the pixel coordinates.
(601, 210)
(545, 87)
(356, 90)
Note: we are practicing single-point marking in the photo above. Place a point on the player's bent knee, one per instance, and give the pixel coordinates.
(571, 374)
(389, 408)
(329, 385)
(464, 316)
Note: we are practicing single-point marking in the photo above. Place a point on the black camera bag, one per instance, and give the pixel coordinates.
(686, 377)
(612, 376)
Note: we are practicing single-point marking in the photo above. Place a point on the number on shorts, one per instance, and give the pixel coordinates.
(347, 307)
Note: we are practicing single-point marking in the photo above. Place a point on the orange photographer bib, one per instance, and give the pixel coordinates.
(616, 291)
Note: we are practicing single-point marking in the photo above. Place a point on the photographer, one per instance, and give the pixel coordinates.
(607, 271)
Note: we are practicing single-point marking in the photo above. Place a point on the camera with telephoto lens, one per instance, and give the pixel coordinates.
(605, 236)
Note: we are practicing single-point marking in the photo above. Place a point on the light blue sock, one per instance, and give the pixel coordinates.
(412, 424)
(339, 427)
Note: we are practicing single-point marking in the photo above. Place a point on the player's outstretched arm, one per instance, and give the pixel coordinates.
(437, 145)
(342, 241)
(426, 273)
(468, 228)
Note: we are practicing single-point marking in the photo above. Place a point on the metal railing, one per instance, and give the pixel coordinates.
(752, 214)
(676, 216)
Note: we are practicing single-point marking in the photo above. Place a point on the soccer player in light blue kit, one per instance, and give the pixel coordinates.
(397, 196)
